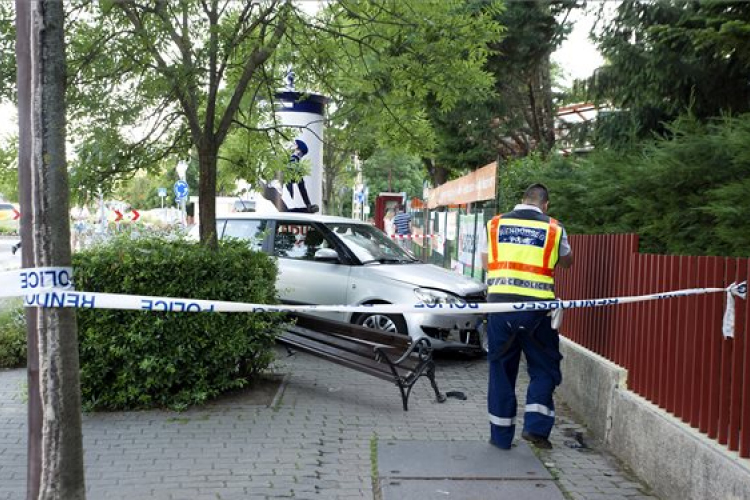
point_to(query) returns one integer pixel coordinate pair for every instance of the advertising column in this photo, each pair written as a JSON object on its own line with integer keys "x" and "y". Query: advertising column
{"x": 306, "y": 112}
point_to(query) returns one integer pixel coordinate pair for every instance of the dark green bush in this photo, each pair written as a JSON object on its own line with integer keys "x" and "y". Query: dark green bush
{"x": 12, "y": 335}
{"x": 145, "y": 359}
{"x": 685, "y": 194}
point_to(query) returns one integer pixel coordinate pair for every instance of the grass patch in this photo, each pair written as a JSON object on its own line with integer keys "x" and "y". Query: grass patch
{"x": 374, "y": 466}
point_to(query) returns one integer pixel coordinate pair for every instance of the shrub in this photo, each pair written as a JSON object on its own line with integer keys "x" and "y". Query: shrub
{"x": 12, "y": 335}
{"x": 145, "y": 359}
{"x": 8, "y": 228}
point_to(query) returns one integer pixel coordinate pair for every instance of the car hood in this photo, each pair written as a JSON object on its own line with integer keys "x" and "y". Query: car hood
{"x": 429, "y": 276}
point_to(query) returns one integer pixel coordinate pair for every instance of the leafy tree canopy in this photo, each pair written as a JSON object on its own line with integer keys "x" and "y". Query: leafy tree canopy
{"x": 512, "y": 119}
{"x": 389, "y": 62}
{"x": 389, "y": 171}
{"x": 666, "y": 57}
{"x": 9, "y": 170}
{"x": 683, "y": 194}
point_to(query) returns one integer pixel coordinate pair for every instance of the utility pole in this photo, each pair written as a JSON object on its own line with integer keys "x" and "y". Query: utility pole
{"x": 55, "y": 445}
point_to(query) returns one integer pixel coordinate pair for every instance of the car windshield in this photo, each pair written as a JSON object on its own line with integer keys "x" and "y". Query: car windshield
{"x": 370, "y": 245}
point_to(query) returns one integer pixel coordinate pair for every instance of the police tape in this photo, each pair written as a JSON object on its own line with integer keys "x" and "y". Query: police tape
{"x": 54, "y": 287}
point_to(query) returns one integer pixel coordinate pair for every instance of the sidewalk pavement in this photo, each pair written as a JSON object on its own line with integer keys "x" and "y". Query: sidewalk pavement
{"x": 315, "y": 441}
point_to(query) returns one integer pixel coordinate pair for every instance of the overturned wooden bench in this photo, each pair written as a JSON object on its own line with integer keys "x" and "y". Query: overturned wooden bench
{"x": 388, "y": 356}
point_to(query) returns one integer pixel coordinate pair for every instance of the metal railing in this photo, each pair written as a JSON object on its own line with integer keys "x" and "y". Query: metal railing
{"x": 453, "y": 235}
{"x": 673, "y": 349}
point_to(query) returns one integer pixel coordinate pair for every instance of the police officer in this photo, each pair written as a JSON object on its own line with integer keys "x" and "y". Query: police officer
{"x": 520, "y": 252}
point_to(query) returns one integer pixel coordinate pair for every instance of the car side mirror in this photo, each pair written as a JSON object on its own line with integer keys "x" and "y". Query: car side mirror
{"x": 327, "y": 255}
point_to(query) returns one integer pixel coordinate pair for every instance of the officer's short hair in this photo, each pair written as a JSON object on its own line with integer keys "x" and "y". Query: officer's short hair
{"x": 536, "y": 193}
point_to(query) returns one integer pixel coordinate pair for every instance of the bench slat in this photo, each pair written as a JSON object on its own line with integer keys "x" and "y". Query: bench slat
{"x": 354, "y": 331}
{"x": 354, "y": 346}
{"x": 340, "y": 356}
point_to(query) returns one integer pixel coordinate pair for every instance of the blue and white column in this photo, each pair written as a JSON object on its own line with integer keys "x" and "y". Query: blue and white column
{"x": 306, "y": 112}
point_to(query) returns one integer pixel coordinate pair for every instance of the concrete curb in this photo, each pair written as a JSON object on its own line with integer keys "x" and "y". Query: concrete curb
{"x": 589, "y": 384}
{"x": 675, "y": 460}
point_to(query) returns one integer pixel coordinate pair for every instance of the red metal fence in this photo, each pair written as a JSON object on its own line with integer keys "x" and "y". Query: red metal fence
{"x": 673, "y": 349}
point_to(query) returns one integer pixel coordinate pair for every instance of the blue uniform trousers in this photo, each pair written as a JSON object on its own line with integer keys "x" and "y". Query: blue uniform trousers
{"x": 508, "y": 335}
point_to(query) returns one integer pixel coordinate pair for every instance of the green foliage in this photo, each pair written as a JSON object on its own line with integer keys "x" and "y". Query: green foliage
{"x": 388, "y": 63}
{"x": 142, "y": 191}
{"x": 684, "y": 195}
{"x": 12, "y": 335}
{"x": 667, "y": 57}
{"x": 9, "y": 169}
{"x": 7, "y": 51}
{"x": 145, "y": 359}
{"x": 513, "y": 118}
{"x": 9, "y": 227}
{"x": 393, "y": 172}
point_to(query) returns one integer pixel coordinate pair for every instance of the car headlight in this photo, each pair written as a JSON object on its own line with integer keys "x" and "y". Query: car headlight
{"x": 434, "y": 297}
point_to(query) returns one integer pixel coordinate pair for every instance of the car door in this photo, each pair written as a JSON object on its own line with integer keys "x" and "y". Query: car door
{"x": 303, "y": 278}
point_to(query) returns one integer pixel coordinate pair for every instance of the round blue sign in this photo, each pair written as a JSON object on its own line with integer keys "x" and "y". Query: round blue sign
{"x": 181, "y": 189}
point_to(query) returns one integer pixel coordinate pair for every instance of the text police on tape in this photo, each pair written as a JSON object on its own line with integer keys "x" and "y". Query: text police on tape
{"x": 33, "y": 279}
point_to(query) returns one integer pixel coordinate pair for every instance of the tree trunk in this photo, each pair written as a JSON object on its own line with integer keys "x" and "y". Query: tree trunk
{"x": 207, "y": 151}
{"x": 547, "y": 104}
{"x": 55, "y": 440}
{"x": 438, "y": 175}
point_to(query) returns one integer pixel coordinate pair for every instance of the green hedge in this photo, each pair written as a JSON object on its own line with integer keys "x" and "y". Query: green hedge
{"x": 685, "y": 194}
{"x": 12, "y": 335}
{"x": 143, "y": 359}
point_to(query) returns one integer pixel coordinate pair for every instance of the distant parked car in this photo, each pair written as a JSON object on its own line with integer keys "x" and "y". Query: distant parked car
{"x": 333, "y": 260}
{"x": 8, "y": 223}
{"x": 7, "y": 211}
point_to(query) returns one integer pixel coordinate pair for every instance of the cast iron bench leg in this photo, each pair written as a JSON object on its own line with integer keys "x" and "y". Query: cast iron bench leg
{"x": 431, "y": 375}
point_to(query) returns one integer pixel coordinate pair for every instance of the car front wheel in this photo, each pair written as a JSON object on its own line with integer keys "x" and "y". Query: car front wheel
{"x": 384, "y": 322}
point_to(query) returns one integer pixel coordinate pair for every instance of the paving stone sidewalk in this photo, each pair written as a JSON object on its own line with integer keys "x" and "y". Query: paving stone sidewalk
{"x": 315, "y": 442}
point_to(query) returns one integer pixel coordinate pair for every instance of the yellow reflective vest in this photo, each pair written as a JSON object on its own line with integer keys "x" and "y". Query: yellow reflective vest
{"x": 521, "y": 255}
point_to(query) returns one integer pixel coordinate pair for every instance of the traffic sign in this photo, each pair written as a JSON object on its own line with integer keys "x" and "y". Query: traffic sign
{"x": 162, "y": 192}
{"x": 181, "y": 189}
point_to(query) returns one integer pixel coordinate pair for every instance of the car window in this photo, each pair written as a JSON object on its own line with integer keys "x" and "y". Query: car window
{"x": 244, "y": 206}
{"x": 251, "y": 230}
{"x": 298, "y": 240}
{"x": 370, "y": 244}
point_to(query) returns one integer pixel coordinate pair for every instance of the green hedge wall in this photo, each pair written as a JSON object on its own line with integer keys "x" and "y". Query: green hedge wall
{"x": 12, "y": 334}
{"x": 145, "y": 359}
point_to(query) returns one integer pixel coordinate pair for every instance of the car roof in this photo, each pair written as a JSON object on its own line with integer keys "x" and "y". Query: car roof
{"x": 288, "y": 216}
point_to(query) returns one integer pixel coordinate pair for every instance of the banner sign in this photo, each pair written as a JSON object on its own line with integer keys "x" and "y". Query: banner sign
{"x": 476, "y": 186}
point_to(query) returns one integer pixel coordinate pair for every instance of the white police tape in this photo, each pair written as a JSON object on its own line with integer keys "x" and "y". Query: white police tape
{"x": 23, "y": 281}
{"x": 53, "y": 287}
